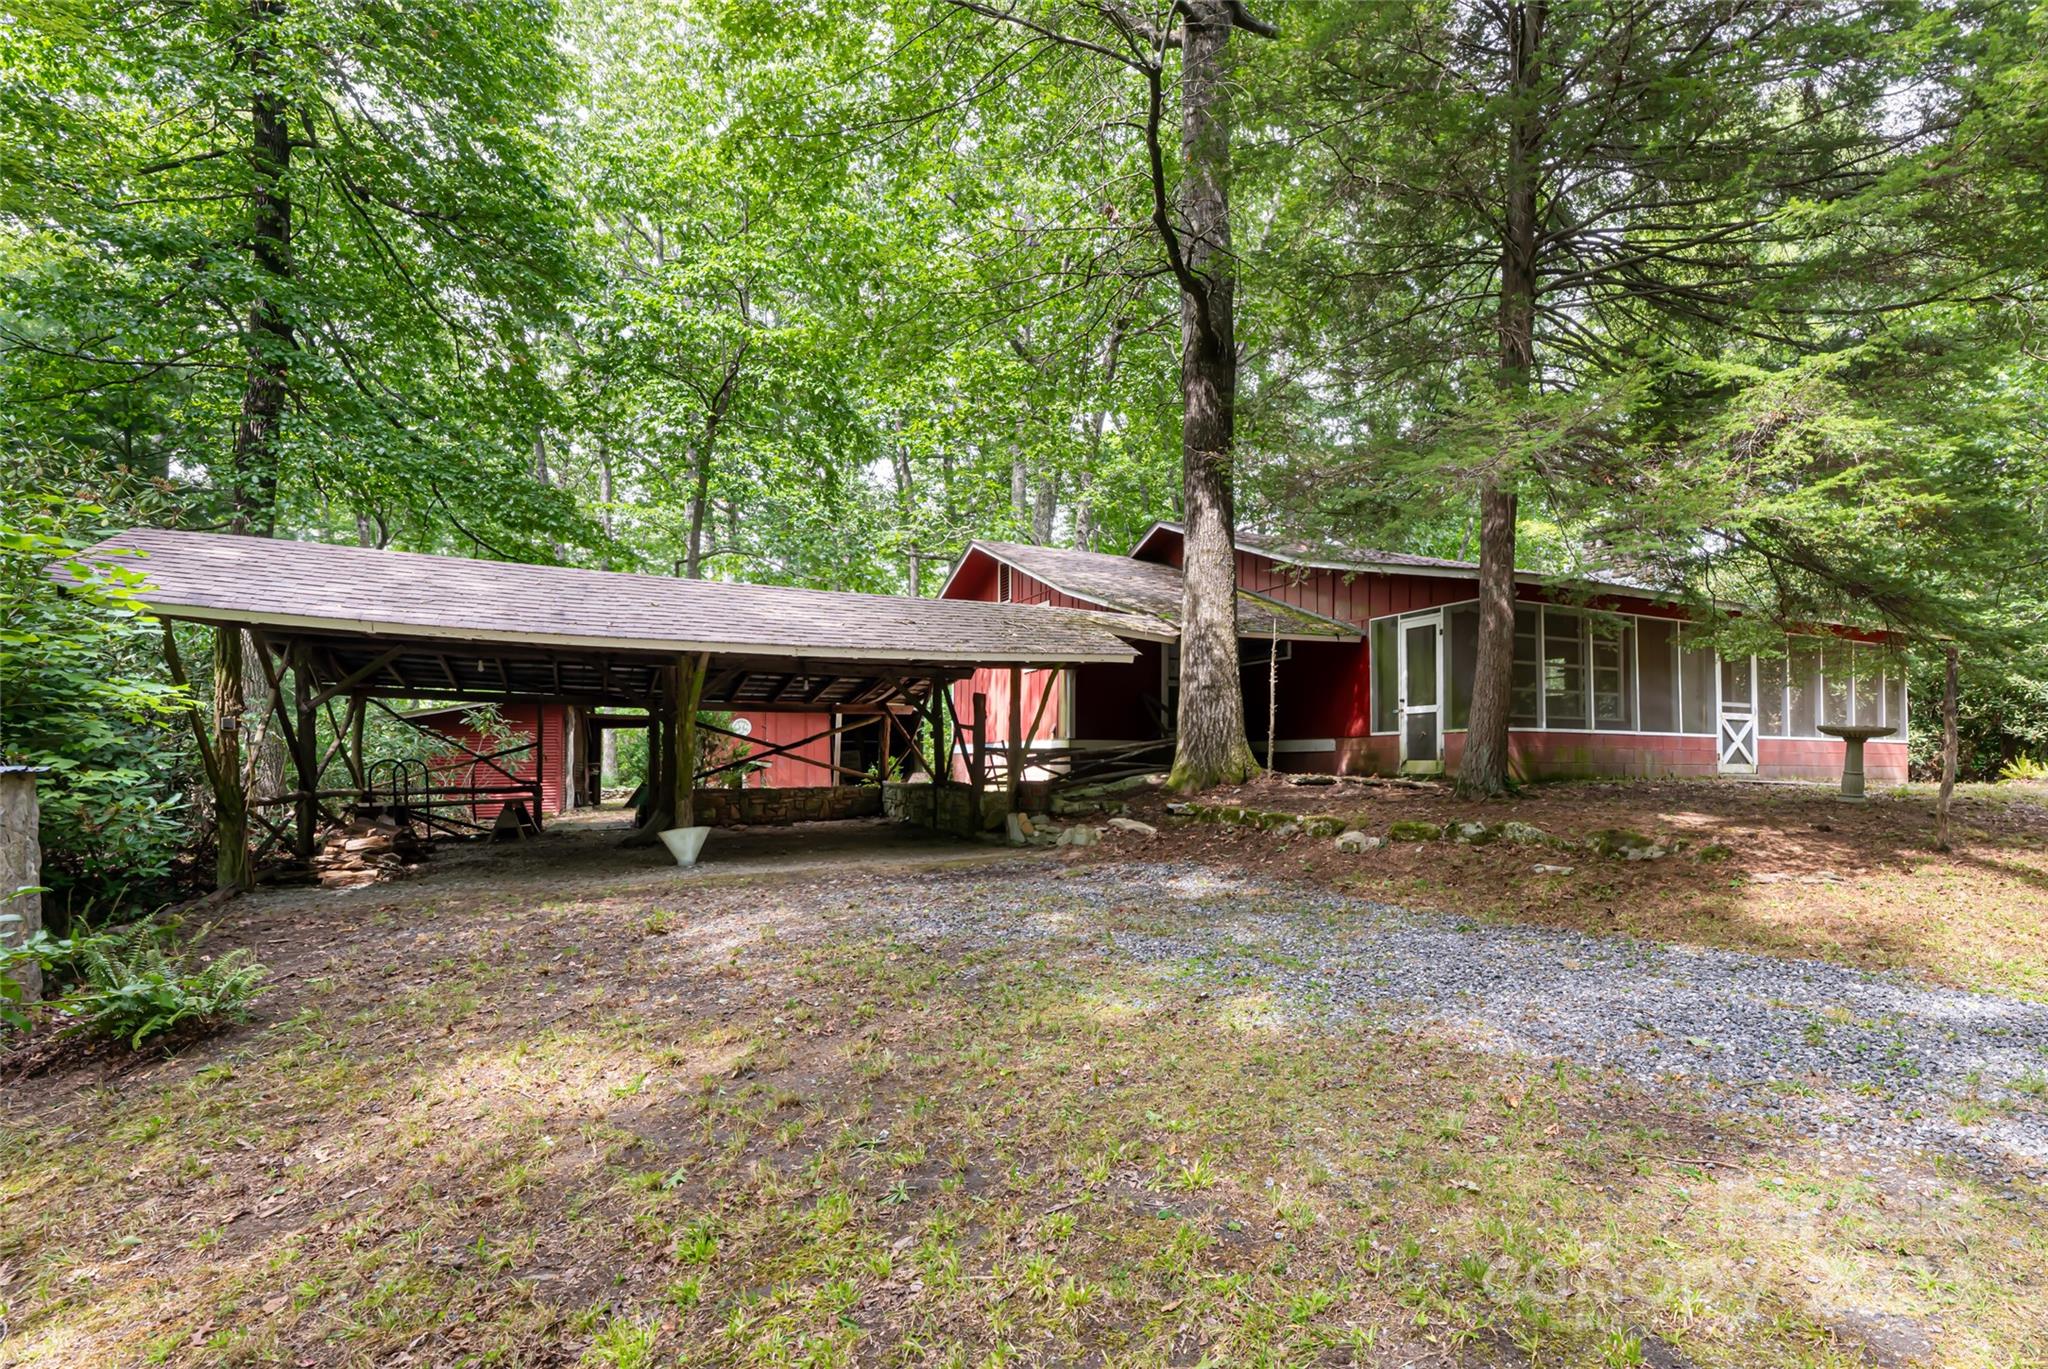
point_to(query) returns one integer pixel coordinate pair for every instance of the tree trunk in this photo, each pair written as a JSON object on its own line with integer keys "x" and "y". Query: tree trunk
{"x": 604, "y": 498}
{"x": 1951, "y": 749}
{"x": 1098, "y": 419}
{"x": 906, "y": 508}
{"x": 700, "y": 466}
{"x": 231, "y": 864}
{"x": 700, "y": 489}
{"x": 1020, "y": 483}
{"x": 1483, "y": 770}
{"x": 253, "y": 500}
{"x": 1211, "y": 747}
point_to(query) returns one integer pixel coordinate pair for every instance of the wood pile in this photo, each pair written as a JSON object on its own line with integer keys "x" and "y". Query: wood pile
{"x": 366, "y": 851}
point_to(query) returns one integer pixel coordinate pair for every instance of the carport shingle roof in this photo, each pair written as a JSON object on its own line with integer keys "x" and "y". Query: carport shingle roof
{"x": 217, "y": 577}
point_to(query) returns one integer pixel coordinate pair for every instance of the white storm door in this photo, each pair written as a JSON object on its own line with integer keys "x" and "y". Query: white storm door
{"x": 1421, "y": 699}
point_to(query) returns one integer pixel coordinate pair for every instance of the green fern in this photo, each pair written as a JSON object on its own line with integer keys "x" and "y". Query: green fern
{"x": 136, "y": 982}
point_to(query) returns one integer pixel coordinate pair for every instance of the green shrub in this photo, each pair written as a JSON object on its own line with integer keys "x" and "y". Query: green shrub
{"x": 82, "y": 696}
{"x": 2025, "y": 768}
{"x": 132, "y": 983}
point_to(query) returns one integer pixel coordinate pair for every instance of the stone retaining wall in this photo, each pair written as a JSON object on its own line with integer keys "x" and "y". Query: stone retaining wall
{"x": 912, "y": 804}
{"x": 775, "y": 807}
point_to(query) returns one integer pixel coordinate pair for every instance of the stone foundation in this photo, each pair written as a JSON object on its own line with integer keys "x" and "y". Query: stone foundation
{"x": 778, "y": 807}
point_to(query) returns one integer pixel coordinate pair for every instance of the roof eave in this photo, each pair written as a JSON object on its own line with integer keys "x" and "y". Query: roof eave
{"x": 370, "y": 627}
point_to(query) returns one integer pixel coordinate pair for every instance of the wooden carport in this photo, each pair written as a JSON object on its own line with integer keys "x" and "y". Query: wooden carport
{"x": 339, "y": 629}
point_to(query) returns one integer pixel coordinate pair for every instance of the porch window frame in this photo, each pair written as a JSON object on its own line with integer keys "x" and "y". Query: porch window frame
{"x": 1855, "y": 645}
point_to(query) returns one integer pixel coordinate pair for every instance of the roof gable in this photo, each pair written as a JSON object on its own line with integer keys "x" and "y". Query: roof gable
{"x": 1125, "y": 585}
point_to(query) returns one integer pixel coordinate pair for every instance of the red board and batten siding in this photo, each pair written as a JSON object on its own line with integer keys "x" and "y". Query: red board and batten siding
{"x": 979, "y": 580}
{"x": 459, "y": 769}
{"x": 807, "y": 766}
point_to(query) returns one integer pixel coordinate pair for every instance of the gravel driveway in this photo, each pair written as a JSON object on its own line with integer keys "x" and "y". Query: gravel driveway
{"x": 1868, "y": 1059}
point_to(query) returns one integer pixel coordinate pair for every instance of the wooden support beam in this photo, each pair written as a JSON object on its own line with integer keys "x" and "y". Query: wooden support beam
{"x": 910, "y": 738}
{"x": 977, "y": 764}
{"x": 356, "y": 711}
{"x": 358, "y": 677}
{"x": 942, "y": 756}
{"x": 1015, "y": 762}
{"x": 304, "y": 760}
{"x": 690, "y": 673}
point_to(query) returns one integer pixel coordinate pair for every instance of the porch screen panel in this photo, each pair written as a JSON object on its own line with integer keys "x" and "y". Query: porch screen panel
{"x": 1836, "y": 665}
{"x": 1770, "y": 696}
{"x": 1386, "y": 666}
{"x": 1657, "y": 651}
{"x": 1614, "y": 672}
{"x": 1868, "y": 687}
{"x": 1564, "y": 668}
{"x": 1803, "y": 661}
{"x": 1697, "y": 667}
{"x": 1461, "y": 634}
{"x": 1526, "y": 687}
{"x": 1895, "y": 696}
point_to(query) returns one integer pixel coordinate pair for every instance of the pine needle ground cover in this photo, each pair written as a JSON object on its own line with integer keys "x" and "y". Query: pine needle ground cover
{"x": 797, "y": 1121}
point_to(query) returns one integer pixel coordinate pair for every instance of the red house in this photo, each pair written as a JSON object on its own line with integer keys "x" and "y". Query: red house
{"x": 1376, "y": 652}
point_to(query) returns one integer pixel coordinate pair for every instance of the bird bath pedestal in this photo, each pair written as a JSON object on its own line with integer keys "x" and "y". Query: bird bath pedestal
{"x": 1852, "y": 757}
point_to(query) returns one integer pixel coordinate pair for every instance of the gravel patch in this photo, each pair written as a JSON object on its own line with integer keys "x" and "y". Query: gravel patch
{"x": 1872, "y": 1060}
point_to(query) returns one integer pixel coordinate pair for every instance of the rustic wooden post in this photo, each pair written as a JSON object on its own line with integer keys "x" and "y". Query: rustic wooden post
{"x": 220, "y": 751}
{"x": 305, "y": 753}
{"x": 1951, "y": 746}
{"x": 1016, "y": 753}
{"x": 942, "y": 756}
{"x": 21, "y": 868}
{"x": 977, "y": 761}
{"x": 356, "y": 710}
{"x": 689, "y": 693}
{"x": 232, "y": 866}
{"x": 661, "y": 774}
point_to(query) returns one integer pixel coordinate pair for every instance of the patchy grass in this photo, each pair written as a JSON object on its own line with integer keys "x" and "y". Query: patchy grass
{"x": 486, "y": 1126}
{"x": 1802, "y": 874}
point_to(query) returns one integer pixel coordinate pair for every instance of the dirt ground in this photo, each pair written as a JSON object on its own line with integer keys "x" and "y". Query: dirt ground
{"x": 536, "y": 1107}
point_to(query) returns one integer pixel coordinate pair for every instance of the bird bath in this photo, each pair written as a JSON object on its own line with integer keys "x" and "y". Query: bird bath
{"x": 1852, "y": 757}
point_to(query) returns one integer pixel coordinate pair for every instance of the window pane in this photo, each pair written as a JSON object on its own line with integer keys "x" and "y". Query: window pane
{"x": 1528, "y": 671}
{"x": 1461, "y": 628}
{"x": 1564, "y": 668}
{"x": 1385, "y": 693}
{"x": 1835, "y": 669}
{"x": 1770, "y": 696}
{"x": 1895, "y": 695}
{"x": 1696, "y": 670}
{"x": 1614, "y": 672}
{"x": 1805, "y": 668}
{"x": 1657, "y": 653}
